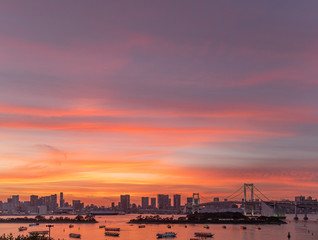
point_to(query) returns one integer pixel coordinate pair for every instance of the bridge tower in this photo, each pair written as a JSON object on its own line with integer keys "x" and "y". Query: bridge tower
{"x": 249, "y": 186}
{"x": 195, "y": 202}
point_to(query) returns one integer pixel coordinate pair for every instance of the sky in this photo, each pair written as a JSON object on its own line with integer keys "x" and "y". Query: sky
{"x": 102, "y": 98}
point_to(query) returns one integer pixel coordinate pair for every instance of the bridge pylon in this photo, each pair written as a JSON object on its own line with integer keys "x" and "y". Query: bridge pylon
{"x": 195, "y": 202}
{"x": 249, "y": 202}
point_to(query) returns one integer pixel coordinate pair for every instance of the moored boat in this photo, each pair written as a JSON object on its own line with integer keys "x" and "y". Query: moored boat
{"x": 75, "y": 235}
{"x": 113, "y": 234}
{"x": 242, "y": 227}
{"x": 22, "y": 228}
{"x": 112, "y": 229}
{"x": 102, "y": 226}
{"x": 71, "y": 226}
{"x": 203, "y": 234}
{"x": 142, "y": 226}
{"x": 39, "y": 232}
{"x": 206, "y": 226}
{"x": 166, "y": 235}
{"x": 258, "y": 228}
{"x": 169, "y": 226}
{"x": 33, "y": 224}
{"x": 224, "y": 227}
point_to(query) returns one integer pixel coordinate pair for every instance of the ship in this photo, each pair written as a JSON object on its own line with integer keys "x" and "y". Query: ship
{"x": 166, "y": 235}
{"x": 105, "y": 213}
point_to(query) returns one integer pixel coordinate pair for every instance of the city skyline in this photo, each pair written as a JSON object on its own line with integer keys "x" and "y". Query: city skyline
{"x": 105, "y": 98}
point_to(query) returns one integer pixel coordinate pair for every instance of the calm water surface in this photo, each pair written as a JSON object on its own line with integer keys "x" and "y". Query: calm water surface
{"x": 300, "y": 230}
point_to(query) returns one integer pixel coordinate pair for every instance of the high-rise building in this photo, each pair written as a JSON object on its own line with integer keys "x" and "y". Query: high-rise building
{"x": 53, "y": 202}
{"x": 153, "y": 204}
{"x": 77, "y": 205}
{"x": 61, "y": 200}
{"x": 125, "y": 202}
{"x": 15, "y": 200}
{"x": 177, "y": 201}
{"x": 216, "y": 199}
{"x": 163, "y": 201}
{"x": 144, "y": 202}
{"x": 34, "y": 200}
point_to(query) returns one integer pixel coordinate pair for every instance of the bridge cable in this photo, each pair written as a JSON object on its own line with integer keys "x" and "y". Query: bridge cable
{"x": 230, "y": 196}
{"x": 261, "y": 193}
{"x": 236, "y": 195}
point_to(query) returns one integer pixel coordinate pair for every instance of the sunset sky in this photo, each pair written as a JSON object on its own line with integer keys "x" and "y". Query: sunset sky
{"x": 102, "y": 98}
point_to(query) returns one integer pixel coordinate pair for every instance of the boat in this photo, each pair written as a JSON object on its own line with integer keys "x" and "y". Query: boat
{"x": 224, "y": 227}
{"x": 142, "y": 226}
{"x": 113, "y": 234}
{"x": 242, "y": 227}
{"x": 206, "y": 226}
{"x": 112, "y": 229}
{"x": 75, "y": 235}
{"x": 33, "y": 224}
{"x": 94, "y": 213}
{"x": 102, "y": 226}
{"x": 203, "y": 234}
{"x": 169, "y": 226}
{"x": 39, "y": 232}
{"x": 22, "y": 228}
{"x": 258, "y": 228}
{"x": 71, "y": 226}
{"x": 185, "y": 226}
{"x": 166, "y": 235}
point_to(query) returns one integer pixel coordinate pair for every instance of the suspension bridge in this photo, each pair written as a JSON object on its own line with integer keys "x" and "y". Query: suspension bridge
{"x": 249, "y": 200}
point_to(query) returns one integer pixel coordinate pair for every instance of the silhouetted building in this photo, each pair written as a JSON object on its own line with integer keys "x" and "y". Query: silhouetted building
{"x": 153, "y": 204}
{"x": 145, "y": 202}
{"x": 53, "y": 203}
{"x": 177, "y": 201}
{"x": 15, "y": 201}
{"x": 77, "y": 205}
{"x": 163, "y": 201}
{"x": 125, "y": 202}
{"x": 216, "y": 199}
{"x": 34, "y": 200}
{"x": 300, "y": 199}
{"x": 61, "y": 199}
{"x": 189, "y": 200}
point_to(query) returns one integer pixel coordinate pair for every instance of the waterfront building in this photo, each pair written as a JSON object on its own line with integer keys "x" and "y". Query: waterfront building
{"x": 53, "y": 203}
{"x": 61, "y": 200}
{"x": 300, "y": 199}
{"x": 163, "y": 201}
{"x": 77, "y": 205}
{"x": 34, "y": 200}
{"x": 177, "y": 201}
{"x": 125, "y": 202}
{"x": 145, "y": 202}
{"x": 153, "y": 203}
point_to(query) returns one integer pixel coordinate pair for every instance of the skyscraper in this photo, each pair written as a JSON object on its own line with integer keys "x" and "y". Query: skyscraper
{"x": 153, "y": 203}
{"x": 144, "y": 202}
{"x": 15, "y": 200}
{"x": 125, "y": 202}
{"x": 53, "y": 202}
{"x": 34, "y": 200}
{"x": 61, "y": 199}
{"x": 163, "y": 201}
{"x": 177, "y": 201}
